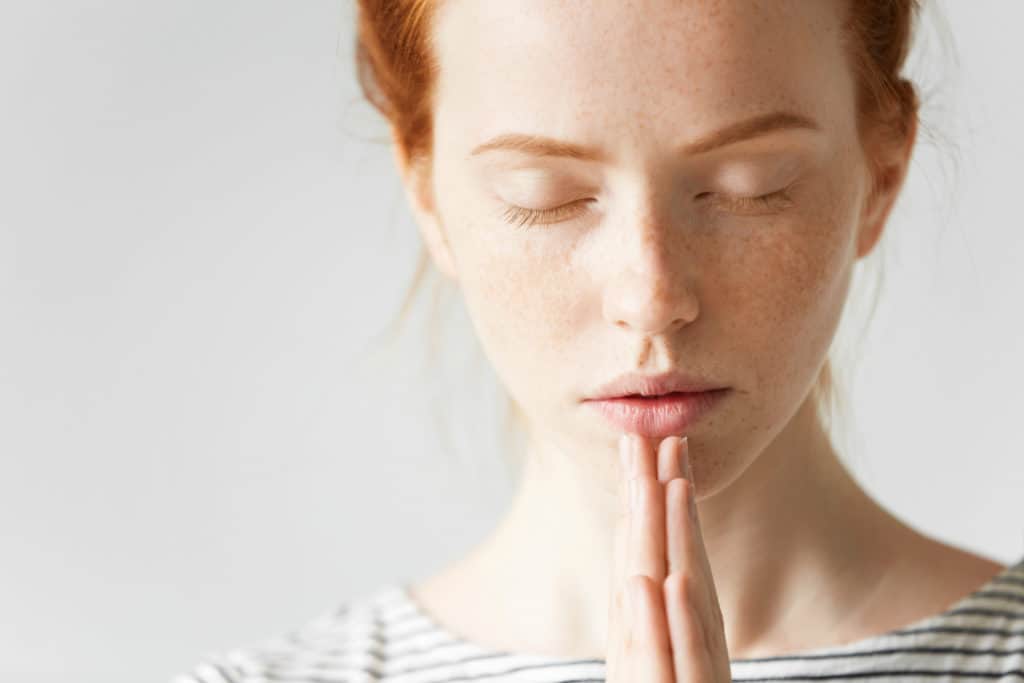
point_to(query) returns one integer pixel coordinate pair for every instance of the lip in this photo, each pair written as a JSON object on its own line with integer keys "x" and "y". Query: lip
{"x": 652, "y": 385}
{"x": 658, "y": 416}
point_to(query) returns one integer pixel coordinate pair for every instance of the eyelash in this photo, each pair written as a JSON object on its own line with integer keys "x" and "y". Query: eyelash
{"x": 526, "y": 218}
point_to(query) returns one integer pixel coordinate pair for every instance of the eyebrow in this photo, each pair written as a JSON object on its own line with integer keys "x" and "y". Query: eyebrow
{"x": 539, "y": 145}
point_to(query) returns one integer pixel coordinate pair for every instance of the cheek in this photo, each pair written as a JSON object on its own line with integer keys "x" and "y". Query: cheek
{"x": 780, "y": 292}
{"x": 519, "y": 280}
{"x": 524, "y": 302}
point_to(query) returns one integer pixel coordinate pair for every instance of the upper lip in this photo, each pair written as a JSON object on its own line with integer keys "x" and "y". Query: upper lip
{"x": 653, "y": 385}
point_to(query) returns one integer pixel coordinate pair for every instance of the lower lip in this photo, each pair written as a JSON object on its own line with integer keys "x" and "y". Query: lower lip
{"x": 658, "y": 416}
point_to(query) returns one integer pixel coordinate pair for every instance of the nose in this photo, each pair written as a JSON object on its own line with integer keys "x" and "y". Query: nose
{"x": 650, "y": 290}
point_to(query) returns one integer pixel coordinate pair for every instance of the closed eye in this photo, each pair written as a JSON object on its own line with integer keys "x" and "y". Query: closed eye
{"x": 772, "y": 201}
{"x": 524, "y": 218}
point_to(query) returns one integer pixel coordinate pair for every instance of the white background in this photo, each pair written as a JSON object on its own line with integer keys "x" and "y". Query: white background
{"x": 200, "y": 231}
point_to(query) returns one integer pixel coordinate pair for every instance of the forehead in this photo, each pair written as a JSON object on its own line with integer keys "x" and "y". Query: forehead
{"x": 643, "y": 68}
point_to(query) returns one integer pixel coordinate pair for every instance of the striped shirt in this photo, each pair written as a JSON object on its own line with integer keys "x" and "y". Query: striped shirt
{"x": 383, "y": 635}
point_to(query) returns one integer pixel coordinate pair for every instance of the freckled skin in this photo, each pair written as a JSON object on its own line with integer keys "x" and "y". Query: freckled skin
{"x": 761, "y": 295}
{"x": 646, "y": 277}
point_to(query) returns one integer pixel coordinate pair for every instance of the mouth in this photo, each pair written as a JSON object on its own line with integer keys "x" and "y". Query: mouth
{"x": 658, "y": 415}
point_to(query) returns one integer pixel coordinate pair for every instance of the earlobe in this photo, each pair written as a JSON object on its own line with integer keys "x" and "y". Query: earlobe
{"x": 419, "y": 193}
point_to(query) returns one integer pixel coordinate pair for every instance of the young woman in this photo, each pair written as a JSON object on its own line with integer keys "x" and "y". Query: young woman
{"x": 653, "y": 210}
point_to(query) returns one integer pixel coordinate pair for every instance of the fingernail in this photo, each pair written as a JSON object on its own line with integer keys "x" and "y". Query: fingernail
{"x": 634, "y": 493}
{"x": 624, "y": 452}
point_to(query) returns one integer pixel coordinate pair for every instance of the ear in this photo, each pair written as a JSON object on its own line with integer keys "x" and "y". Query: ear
{"x": 418, "y": 184}
{"x": 891, "y": 174}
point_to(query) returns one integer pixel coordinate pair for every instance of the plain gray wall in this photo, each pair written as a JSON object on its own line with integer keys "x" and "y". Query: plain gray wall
{"x": 200, "y": 231}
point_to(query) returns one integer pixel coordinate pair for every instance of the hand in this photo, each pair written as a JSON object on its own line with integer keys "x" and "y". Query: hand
{"x": 665, "y": 623}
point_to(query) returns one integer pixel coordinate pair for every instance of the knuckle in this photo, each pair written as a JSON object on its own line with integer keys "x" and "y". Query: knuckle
{"x": 636, "y": 583}
{"x": 680, "y": 584}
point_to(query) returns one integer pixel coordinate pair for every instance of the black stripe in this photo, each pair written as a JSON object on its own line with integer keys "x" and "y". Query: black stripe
{"x": 779, "y": 658}
{"x": 548, "y": 666}
{"x": 224, "y": 673}
{"x": 515, "y": 670}
{"x": 959, "y": 629}
{"x": 373, "y": 651}
{"x": 1001, "y": 595}
{"x": 398, "y": 653}
{"x": 314, "y": 679}
{"x": 782, "y": 658}
{"x": 1014, "y": 580}
{"x": 886, "y": 651}
{"x": 230, "y": 676}
{"x": 376, "y": 673}
{"x": 982, "y": 612}
{"x": 530, "y": 667}
{"x": 278, "y": 670}
{"x": 285, "y": 674}
{"x": 357, "y": 643}
{"x": 965, "y": 611}
{"x": 895, "y": 673}
{"x": 376, "y": 653}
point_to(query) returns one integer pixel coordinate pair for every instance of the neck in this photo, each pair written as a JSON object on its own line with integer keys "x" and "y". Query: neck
{"x": 790, "y": 531}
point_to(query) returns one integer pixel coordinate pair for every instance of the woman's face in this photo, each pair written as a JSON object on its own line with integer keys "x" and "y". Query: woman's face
{"x": 654, "y": 255}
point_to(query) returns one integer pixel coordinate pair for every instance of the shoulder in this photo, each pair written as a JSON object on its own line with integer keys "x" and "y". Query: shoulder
{"x": 341, "y": 642}
{"x": 980, "y": 635}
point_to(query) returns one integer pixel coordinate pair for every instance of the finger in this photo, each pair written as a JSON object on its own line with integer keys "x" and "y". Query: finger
{"x": 619, "y": 606}
{"x": 692, "y": 512}
{"x": 715, "y": 625}
{"x": 626, "y": 467}
{"x": 695, "y": 519}
{"x": 642, "y": 456}
{"x": 669, "y": 451}
{"x": 682, "y": 550}
{"x": 692, "y": 660}
{"x": 650, "y": 655}
{"x": 686, "y": 552}
{"x": 681, "y": 542}
{"x": 688, "y": 556}
{"x": 646, "y": 554}
{"x": 620, "y": 548}
{"x": 684, "y": 459}
{"x": 624, "y": 446}
{"x": 622, "y": 524}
